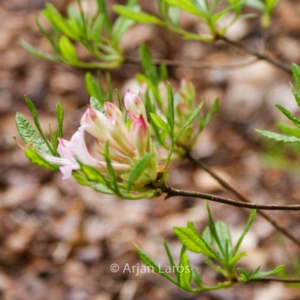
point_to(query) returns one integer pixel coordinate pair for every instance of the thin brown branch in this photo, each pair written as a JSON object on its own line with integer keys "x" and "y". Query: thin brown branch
{"x": 171, "y": 192}
{"x": 230, "y": 188}
{"x": 267, "y": 280}
{"x": 258, "y": 55}
{"x": 192, "y": 64}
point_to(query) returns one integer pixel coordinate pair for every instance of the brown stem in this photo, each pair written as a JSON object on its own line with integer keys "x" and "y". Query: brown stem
{"x": 171, "y": 192}
{"x": 266, "y": 280}
{"x": 191, "y": 64}
{"x": 257, "y": 54}
{"x": 228, "y": 187}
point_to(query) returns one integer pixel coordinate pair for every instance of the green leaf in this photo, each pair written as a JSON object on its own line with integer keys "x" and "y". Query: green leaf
{"x": 289, "y": 115}
{"x": 235, "y": 258}
{"x": 122, "y": 24}
{"x": 205, "y": 121}
{"x": 67, "y": 49}
{"x": 150, "y": 263}
{"x": 103, "y": 11}
{"x": 174, "y": 268}
{"x": 148, "y": 65}
{"x": 29, "y": 135}
{"x": 186, "y": 5}
{"x": 246, "y": 229}
{"x": 296, "y": 95}
{"x": 255, "y": 4}
{"x": 244, "y": 274}
{"x": 196, "y": 278}
{"x": 296, "y": 75}
{"x": 92, "y": 174}
{"x": 184, "y": 272}
{"x": 138, "y": 169}
{"x": 34, "y": 51}
{"x": 259, "y": 275}
{"x": 193, "y": 241}
{"x": 215, "y": 235}
{"x": 55, "y": 18}
{"x": 95, "y": 103}
{"x": 37, "y": 123}
{"x": 99, "y": 187}
{"x": 278, "y": 137}
{"x": 93, "y": 88}
{"x": 160, "y": 123}
{"x": 110, "y": 170}
{"x": 60, "y": 120}
{"x": 224, "y": 238}
{"x": 141, "y": 17}
{"x": 174, "y": 14}
{"x": 189, "y": 121}
{"x": 36, "y": 159}
{"x": 170, "y": 116}
{"x": 285, "y": 128}
{"x": 206, "y": 235}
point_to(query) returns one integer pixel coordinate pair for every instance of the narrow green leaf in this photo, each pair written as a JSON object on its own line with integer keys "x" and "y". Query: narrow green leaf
{"x": 29, "y": 135}
{"x": 246, "y": 229}
{"x": 235, "y": 258}
{"x": 36, "y": 159}
{"x": 93, "y": 88}
{"x": 138, "y": 169}
{"x": 214, "y": 233}
{"x": 103, "y": 11}
{"x": 278, "y": 137}
{"x": 148, "y": 65}
{"x": 206, "y": 235}
{"x": 206, "y": 120}
{"x": 160, "y": 123}
{"x": 296, "y": 75}
{"x": 296, "y": 95}
{"x": 141, "y": 17}
{"x": 289, "y": 115}
{"x": 110, "y": 170}
{"x": 185, "y": 273}
{"x": 96, "y": 104}
{"x": 193, "y": 242}
{"x": 99, "y": 187}
{"x": 122, "y": 24}
{"x": 92, "y": 174}
{"x": 287, "y": 129}
{"x": 60, "y": 120}
{"x": 244, "y": 274}
{"x": 196, "y": 278}
{"x": 153, "y": 266}
{"x": 170, "y": 116}
{"x": 259, "y": 275}
{"x": 189, "y": 121}
{"x": 172, "y": 264}
{"x": 34, "y": 51}
{"x": 37, "y": 123}
{"x": 224, "y": 238}
{"x": 67, "y": 49}
{"x": 55, "y": 18}
{"x": 186, "y": 5}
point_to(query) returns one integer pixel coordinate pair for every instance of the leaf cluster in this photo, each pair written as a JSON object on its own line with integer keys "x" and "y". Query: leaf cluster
{"x": 91, "y": 29}
{"x": 216, "y": 246}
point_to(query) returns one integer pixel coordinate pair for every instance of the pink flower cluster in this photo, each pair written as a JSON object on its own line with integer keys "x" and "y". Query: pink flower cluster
{"x": 127, "y": 142}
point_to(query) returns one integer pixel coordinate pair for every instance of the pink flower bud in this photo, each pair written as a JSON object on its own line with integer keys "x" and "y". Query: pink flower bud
{"x": 112, "y": 111}
{"x": 134, "y": 105}
{"x": 140, "y": 134}
{"x": 96, "y": 123}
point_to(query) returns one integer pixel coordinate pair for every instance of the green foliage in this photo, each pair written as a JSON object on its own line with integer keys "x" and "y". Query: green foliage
{"x": 94, "y": 32}
{"x": 216, "y": 246}
{"x": 209, "y": 12}
{"x": 291, "y": 134}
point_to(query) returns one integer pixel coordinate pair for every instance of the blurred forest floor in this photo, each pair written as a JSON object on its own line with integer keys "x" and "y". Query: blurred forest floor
{"x": 58, "y": 239}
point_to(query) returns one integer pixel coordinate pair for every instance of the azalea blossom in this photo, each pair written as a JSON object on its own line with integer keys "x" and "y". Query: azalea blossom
{"x": 127, "y": 142}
